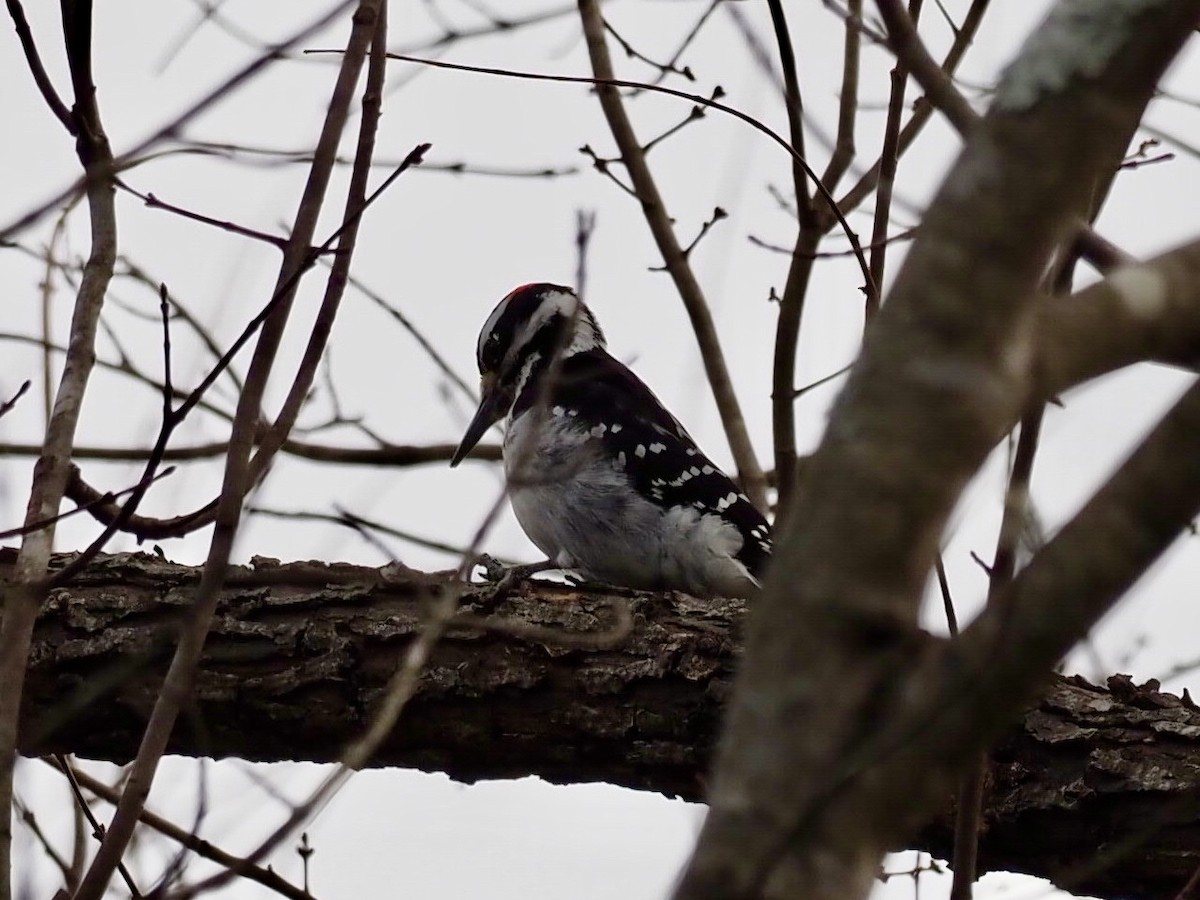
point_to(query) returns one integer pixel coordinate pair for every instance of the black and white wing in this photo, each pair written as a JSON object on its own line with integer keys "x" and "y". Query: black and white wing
{"x": 663, "y": 463}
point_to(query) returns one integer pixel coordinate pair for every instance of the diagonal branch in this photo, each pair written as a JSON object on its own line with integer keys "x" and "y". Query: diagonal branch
{"x": 237, "y": 470}
{"x": 50, "y": 472}
{"x": 749, "y": 470}
{"x": 944, "y": 371}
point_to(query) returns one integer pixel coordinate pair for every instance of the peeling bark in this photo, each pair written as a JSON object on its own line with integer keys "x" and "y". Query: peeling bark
{"x": 1097, "y": 790}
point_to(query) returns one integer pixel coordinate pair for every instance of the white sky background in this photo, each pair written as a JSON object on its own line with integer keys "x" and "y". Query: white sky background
{"x": 444, "y": 249}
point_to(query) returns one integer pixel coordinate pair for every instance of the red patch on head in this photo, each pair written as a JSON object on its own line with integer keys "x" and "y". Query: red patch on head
{"x": 523, "y": 287}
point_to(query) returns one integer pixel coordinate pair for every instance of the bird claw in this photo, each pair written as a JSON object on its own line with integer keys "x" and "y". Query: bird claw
{"x": 505, "y": 578}
{"x": 493, "y": 569}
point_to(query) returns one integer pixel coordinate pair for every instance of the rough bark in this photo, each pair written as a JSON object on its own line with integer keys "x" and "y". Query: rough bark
{"x": 847, "y": 726}
{"x": 1097, "y": 789}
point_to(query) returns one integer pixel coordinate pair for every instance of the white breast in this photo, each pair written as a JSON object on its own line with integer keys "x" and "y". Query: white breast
{"x": 580, "y": 509}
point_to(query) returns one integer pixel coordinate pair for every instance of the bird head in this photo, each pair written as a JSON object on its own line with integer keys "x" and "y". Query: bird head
{"x": 518, "y": 341}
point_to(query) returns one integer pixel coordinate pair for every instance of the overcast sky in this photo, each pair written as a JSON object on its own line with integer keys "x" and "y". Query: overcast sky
{"x": 443, "y": 248}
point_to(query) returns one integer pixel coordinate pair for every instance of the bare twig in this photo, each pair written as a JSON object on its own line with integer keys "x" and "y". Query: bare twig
{"x": 274, "y": 156}
{"x": 175, "y": 124}
{"x": 585, "y": 226}
{"x": 269, "y": 440}
{"x": 453, "y": 35}
{"x": 34, "y": 61}
{"x": 387, "y": 455}
{"x": 237, "y": 470}
{"x": 29, "y": 820}
{"x": 831, "y": 206}
{"x": 359, "y": 524}
{"x": 124, "y": 367}
{"x": 60, "y": 763}
{"x": 889, "y": 153}
{"x": 187, "y": 839}
{"x": 27, "y": 590}
{"x": 690, "y": 292}
{"x": 92, "y": 503}
{"x": 664, "y": 69}
{"x": 924, "y": 109}
{"x": 404, "y": 322}
{"x": 934, "y": 79}
{"x": 7, "y": 405}
{"x": 843, "y": 148}
{"x": 795, "y": 289}
{"x": 232, "y": 227}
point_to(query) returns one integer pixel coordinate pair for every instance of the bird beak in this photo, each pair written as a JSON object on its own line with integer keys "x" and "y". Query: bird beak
{"x": 492, "y": 406}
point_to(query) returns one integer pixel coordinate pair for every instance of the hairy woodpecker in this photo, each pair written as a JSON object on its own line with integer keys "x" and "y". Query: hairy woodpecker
{"x": 601, "y": 477}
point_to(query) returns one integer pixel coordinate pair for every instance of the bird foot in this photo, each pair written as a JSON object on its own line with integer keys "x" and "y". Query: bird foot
{"x": 505, "y": 578}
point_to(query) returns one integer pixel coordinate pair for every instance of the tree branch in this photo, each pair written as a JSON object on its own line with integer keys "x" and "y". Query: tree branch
{"x": 300, "y": 654}
{"x": 805, "y": 796}
{"x": 53, "y": 464}
{"x": 749, "y": 469}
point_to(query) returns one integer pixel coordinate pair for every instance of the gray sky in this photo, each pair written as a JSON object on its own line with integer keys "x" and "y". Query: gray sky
{"x": 444, "y": 248}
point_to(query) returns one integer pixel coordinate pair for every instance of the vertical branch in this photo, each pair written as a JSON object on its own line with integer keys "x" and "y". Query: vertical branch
{"x": 794, "y": 102}
{"x": 180, "y": 676}
{"x": 674, "y": 258}
{"x": 843, "y": 148}
{"x": 923, "y": 107}
{"x": 795, "y": 289}
{"x": 51, "y": 469}
{"x": 889, "y": 158}
{"x": 1017, "y": 510}
{"x": 56, "y": 235}
{"x": 339, "y": 273}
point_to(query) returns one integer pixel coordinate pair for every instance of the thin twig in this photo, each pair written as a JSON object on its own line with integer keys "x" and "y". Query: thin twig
{"x": 654, "y": 209}
{"x": 923, "y": 109}
{"x": 189, "y": 840}
{"x": 795, "y": 288}
{"x": 387, "y": 455}
{"x": 585, "y": 227}
{"x": 34, "y": 61}
{"x": 7, "y": 405}
{"x": 236, "y": 482}
{"x": 934, "y": 79}
{"x": 26, "y": 591}
{"x": 223, "y": 224}
{"x": 175, "y": 125}
{"x": 60, "y": 763}
{"x": 404, "y": 322}
{"x": 843, "y": 147}
{"x": 833, "y": 209}
{"x": 889, "y": 156}
{"x": 90, "y": 504}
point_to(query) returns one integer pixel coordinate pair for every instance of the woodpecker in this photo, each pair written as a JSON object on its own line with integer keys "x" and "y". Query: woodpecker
{"x": 601, "y": 477}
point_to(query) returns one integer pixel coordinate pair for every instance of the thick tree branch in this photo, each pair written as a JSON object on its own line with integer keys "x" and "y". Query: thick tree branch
{"x": 300, "y": 655}
{"x": 804, "y": 797}
{"x": 1148, "y": 312}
